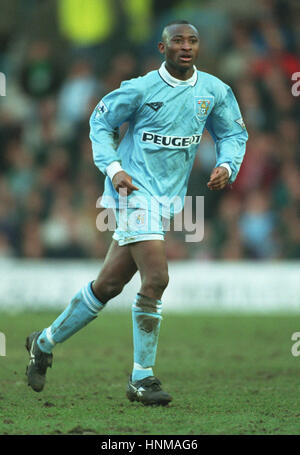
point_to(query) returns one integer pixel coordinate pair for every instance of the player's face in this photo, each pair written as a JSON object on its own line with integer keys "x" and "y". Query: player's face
{"x": 181, "y": 47}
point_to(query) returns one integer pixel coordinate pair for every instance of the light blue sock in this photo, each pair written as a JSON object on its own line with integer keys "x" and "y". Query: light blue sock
{"x": 146, "y": 319}
{"x": 84, "y": 307}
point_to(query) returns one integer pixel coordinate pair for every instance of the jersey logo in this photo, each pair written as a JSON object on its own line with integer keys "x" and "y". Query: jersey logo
{"x": 155, "y": 106}
{"x": 240, "y": 121}
{"x": 171, "y": 141}
{"x": 203, "y": 106}
{"x": 101, "y": 109}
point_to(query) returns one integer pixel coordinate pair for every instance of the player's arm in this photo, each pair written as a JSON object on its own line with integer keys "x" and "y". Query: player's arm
{"x": 225, "y": 124}
{"x": 114, "y": 109}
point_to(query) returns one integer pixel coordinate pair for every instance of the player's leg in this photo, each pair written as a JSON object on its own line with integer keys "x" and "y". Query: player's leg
{"x": 151, "y": 261}
{"x": 150, "y": 258}
{"x": 117, "y": 270}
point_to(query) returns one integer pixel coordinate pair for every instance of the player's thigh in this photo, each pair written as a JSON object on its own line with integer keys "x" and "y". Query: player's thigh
{"x": 118, "y": 266}
{"x": 150, "y": 258}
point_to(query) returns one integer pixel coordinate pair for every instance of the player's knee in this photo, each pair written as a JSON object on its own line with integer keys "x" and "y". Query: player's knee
{"x": 108, "y": 288}
{"x": 156, "y": 280}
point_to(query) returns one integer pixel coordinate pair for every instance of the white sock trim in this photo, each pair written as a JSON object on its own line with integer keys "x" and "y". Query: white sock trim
{"x": 49, "y": 336}
{"x": 93, "y": 298}
{"x": 89, "y": 301}
{"x": 137, "y": 366}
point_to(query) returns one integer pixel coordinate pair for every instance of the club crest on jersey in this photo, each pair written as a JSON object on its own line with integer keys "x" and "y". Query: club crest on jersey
{"x": 203, "y": 106}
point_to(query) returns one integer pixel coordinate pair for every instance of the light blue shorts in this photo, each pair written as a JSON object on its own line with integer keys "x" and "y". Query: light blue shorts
{"x": 136, "y": 225}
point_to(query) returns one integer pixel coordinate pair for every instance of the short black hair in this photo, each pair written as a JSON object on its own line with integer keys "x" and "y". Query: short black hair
{"x": 175, "y": 22}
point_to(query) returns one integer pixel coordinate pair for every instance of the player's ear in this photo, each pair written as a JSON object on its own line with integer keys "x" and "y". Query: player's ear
{"x": 161, "y": 47}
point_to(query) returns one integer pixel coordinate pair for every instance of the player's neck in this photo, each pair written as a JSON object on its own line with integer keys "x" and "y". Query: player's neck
{"x": 183, "y": 75}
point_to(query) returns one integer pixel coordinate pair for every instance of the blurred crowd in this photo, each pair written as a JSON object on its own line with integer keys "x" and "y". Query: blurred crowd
{"x": 60, "y": 57}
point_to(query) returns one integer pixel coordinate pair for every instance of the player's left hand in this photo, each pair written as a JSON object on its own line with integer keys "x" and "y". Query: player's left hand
{"x": 218, "y": 178}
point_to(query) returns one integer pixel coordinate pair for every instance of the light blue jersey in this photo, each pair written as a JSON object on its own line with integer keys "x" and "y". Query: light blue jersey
{"x": 166, "y": 119}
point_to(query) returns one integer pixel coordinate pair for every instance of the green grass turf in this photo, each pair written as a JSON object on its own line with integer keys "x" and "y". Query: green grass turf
{"x": 227, "y": 375}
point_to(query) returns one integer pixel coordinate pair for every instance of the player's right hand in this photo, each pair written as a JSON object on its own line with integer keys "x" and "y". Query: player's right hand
{"x": 122, "y": 183}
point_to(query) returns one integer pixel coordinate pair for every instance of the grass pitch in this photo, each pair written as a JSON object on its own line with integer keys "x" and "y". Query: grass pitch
{"x": 227, "y": 375}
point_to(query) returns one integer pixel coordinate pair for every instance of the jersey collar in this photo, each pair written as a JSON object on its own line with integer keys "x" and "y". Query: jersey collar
{"x": 170, "y": 80}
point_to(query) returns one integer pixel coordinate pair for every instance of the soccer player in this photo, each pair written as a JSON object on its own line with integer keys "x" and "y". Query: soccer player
{"x": 167, "y": 110}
